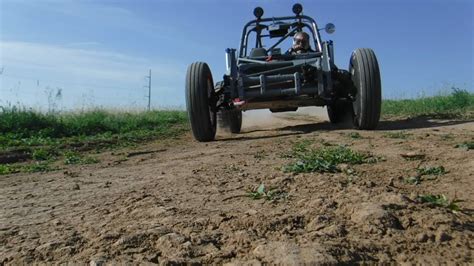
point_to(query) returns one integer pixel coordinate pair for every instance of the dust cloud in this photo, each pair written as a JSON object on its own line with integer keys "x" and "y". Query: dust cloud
{"x": 264, "y": 119}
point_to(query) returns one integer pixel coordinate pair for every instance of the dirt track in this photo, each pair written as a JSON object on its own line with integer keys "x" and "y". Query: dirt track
{"x": 183, "y": 201}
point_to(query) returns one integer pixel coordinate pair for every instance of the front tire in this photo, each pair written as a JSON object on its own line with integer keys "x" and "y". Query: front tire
{"x": 365, "y": 74}
{"x": 201, "y": 101}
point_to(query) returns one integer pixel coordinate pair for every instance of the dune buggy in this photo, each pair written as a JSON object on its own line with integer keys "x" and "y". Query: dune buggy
{"x": 262, "y": 77}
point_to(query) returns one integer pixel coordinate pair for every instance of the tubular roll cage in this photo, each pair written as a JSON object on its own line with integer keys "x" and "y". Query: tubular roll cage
{"x": 279, "y": 78}
{"x": 302, "y": 22}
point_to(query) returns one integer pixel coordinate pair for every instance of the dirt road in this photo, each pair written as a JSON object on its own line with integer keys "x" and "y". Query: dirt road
{"x": 183, "y": 201}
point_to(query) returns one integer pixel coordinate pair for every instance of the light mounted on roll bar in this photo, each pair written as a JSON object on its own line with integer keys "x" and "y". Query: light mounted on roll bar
{"x": 297, "y": 9}
{"x": 258, "y": 12}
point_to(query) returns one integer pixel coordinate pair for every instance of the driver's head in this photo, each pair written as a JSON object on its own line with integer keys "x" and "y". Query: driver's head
{"x": 301, "y": 42}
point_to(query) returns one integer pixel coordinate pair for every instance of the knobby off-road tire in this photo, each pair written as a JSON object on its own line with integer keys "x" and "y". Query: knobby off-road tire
{"x": 230, "y": 120}
{"x": 201, "y": 101}
{"x": 365, "y": 73}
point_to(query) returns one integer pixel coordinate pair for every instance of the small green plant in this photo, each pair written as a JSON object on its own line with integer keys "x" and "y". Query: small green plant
{"x": 325, "y": 159}
{"x": 441, "y": 201}
{"x": 436, "y": 170}
{"x": 262, "y": 193}
{"x": 432, "y": 172}
{"x": 89, "y": 160}
{"x": 37, "y": 167}
{"x": 414, "y": 180}
{"x": 41, "y": 154}
{"x": 467, "y": 145}
{"x": 397, "y": 135}
{"x": 354, "y": 135}
{"x": 71, "y": 157}
{"x": 301, "y": 146}
{"x": 6, "y": 169}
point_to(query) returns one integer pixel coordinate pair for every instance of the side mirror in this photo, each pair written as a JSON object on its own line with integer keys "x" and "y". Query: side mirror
{"x": 330, "y": 28}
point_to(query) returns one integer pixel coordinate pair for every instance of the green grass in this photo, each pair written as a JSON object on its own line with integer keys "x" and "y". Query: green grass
{"x": 271, "y": 194}
{"x": 432, "y": 172}
{"x": 441, "y": 201}
{"x": 435, "y": 170}
{"x": 458, "y": 104}
{"x": 50, "y": 136}
{"x": 396, "y": 135}
{"x": 325, "y": 159}
{"x": 468, "y": 145}
{"x": 26, "y": 123}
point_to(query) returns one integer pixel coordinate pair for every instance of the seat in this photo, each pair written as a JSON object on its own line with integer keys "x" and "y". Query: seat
{"x": 257, "y": 53}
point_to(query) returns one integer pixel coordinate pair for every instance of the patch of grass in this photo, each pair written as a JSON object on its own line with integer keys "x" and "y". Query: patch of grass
{"x": 441, "y": 201}
{"x": 48, "y": 135}
{"x": 354, "y": 135}
{"x": 467, "y": 145}
{"x": 435, "y": 170}
{"x": 37, "y": 167}
{"x": 41, "y": 154}
{"x": 397, "y": 135}
{"x": 28, "y": 123}
{"x": 6, "y": 169}
{"x": 271, "y": 194}
{"x": 425, "y": 171}
{"x": 72, "y": 157}
{"x": 458, "y": 104}
{"x": 325, "y": 159}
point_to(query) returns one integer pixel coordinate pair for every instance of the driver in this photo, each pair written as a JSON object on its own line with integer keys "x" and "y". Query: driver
{"x": 300, "y": 44}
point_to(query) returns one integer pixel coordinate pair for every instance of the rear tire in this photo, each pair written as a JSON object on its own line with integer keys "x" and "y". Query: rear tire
{"x": 230, "y": 120}
{"x": 201, "y": 101}
{"x": 365, "y": 74}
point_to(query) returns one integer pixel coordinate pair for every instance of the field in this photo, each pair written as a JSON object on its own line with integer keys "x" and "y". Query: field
{"x": 290, "y": 189}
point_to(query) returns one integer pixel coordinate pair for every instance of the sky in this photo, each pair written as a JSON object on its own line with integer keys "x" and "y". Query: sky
{"x": 98, "y": 53}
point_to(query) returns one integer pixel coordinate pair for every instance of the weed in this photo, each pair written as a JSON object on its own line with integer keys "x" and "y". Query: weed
{"x": 441, "y": 201}
{"x": 41, "y": 154}
{"x": 271, "y": 195}
{"x": 458, "y": 104}
{"x": 354, "y": 135}
{"x": 414, "y": 180}
{"x": 436, "y": 170}
{"x": 71, "y": 157}
{"x": 301, "y": 146}
{"x": 6, "y": 169}
{"x": 426, "y": 171}
{"x": 397, "y": 135}
{"x": 37, "y": 167}
{"x": 467, "y": 145}
{"x": 325, "y": 159}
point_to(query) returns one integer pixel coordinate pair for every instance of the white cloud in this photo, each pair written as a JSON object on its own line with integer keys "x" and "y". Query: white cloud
{"x": 66, "y": 62}
{"x": 113, "y": 78}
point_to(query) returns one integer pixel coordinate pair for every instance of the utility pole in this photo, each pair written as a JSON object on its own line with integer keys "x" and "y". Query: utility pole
{"x": 149, "y": 90}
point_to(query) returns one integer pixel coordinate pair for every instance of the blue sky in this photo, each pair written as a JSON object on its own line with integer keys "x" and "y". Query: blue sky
{"x": 99, "y": 52}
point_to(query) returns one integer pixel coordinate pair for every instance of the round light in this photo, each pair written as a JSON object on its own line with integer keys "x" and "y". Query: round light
{"x": 330, "y": 28}
{"x": 297, "y": 8}
{"x": 258, "y": 12}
